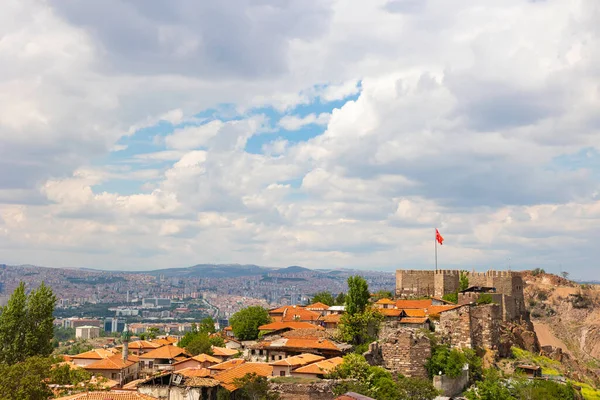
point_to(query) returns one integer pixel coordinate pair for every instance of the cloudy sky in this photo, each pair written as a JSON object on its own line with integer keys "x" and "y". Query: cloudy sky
{"x": 141, "y": 134}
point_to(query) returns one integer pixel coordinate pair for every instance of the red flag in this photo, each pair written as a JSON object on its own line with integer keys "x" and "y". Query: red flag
{"x": 439, "y": 237}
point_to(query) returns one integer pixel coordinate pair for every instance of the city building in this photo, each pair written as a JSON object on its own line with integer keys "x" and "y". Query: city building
{"x": 87, "y": 332}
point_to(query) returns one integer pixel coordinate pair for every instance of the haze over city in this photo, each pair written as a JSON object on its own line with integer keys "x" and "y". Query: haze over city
{"x": 325, "y": 134}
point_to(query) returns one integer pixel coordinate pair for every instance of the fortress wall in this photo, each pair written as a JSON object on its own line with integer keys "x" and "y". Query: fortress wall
{"x": 446, "y": 281}
{"x": 414, "y": 283}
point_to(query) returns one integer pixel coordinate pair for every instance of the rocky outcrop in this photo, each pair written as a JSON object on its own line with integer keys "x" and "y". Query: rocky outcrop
{"x": 519, "y": 334}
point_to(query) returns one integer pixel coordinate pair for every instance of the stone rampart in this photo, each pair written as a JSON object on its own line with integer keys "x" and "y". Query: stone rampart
{"x": 403, "y": 350}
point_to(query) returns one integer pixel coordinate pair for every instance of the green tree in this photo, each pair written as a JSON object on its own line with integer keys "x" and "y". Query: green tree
{"x": 451, "y": 297}
{"x": 254, "y": 387}
{"x": 416, "y": 389}
{"x": 490, "y": 388}
{"x": 152, "y": 332}
{"x": 26, "y": 324}
{"x": 358, "y": 295}
{"x": 217, "y": 341}
{"x": 448, "y": 362}
{"x": 485, "y": 298}
{"x": 207, "y": 325}
{"x": 199, "y": 344}
{"x": 340, "y": 299}
{"x": 323, "y": 297}
{"x": 64, "y": 334}
{"x": 464, "y": 281}
{"x": 25, "y": 380}
{"x": 245, "y": 322}
{"x": 361, "y": 328}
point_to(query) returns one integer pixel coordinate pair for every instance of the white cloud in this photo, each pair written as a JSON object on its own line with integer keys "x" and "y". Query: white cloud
{"x": 463, "y": 110}
{"x": 293, "y": 123}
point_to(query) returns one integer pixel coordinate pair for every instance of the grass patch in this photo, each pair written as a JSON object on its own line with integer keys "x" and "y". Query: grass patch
{"x": 544, "y": 362}
{"x": 588, "y": 392}
{"x": 550, "y": 371}
{"x": 293, "y": 379}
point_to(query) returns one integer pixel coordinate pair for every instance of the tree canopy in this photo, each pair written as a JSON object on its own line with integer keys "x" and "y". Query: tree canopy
{"x": 245, "y": 322}
{"x": 26, "y": 324}
{"x": 323, "y": 297}
{"x": 358, "y": 295}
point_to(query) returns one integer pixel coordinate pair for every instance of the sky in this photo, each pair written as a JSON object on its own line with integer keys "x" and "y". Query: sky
{"x": 140, "y": 134}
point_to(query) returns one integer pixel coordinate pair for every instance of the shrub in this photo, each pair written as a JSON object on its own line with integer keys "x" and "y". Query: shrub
{"x": 485, "y": 298}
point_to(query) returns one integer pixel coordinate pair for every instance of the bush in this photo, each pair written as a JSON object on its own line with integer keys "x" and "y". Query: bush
{"x": 451, "y": 297}
{"x": 485, "y": 298}
{"x": 448, "y": 362}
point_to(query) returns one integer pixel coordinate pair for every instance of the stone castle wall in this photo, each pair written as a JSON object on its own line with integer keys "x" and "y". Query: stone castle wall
{"x": 446, "y": 281}
{"x": 414, "y": 283}
{"x": 404, "y": 350}
{"x": 472, "y": 326}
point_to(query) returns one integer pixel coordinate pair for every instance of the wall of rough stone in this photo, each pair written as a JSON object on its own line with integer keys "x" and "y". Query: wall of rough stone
{"x": 485, "y": 326}
{"x": 446, "y": 281}
{"x": 455, "y": 327}
{"x": 404, "y": 350}
{"x": 414, "y": 283}
{"x": 322, "y": 390}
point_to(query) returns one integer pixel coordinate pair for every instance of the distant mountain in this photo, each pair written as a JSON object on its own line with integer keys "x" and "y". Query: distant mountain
{"x": 227, "y": 271}
{"x": 293, "y": 270}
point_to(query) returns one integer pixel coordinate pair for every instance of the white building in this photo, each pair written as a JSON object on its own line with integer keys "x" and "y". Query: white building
{"x": 87, "y": 332}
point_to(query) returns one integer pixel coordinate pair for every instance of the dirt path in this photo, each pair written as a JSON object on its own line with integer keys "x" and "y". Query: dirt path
{"x": 547, "y": 338}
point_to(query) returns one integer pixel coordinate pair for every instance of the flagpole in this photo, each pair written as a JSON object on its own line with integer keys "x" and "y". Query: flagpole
{"x": 435, "y": 241}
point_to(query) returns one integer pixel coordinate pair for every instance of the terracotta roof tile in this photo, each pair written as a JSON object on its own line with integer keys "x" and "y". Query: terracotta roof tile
{"x": 435, "y": 311}
{"x": 403, "y": 304}
{"x": 143, "y": 345}
{"x": 334, "y": 318}
{"x": 275, "y": 326}
{"x": 320, "y": 367}
{"x": 227, "y": 364}
{"x": 191, "y": 372}
{"x": 322, "y": 344}
{"x": 317, "y": 306}
{"x": 165, "y": 352}
{"x": 410, "y": 320}
{"x": 389, "y": 312}
{"x": 227, "y": 377}
{"x": 96, "y": 354}
{"x": 223, "y": 352}
{"x": 197, "y": 381}
{"x": 385, "y": 301}
{"x": 114, "y": 362}
{"x": 110, "y": 395}
{"x": 414, "y": 312}
{"x": 299, "y": 360}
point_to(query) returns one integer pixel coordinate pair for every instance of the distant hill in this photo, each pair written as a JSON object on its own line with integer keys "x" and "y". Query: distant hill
{"x": 211, "y": 271}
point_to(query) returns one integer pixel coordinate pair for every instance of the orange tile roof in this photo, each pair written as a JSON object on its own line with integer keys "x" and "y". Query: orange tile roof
{"x": 299, "y": 360}
{"x": 206, "y": 358}
{"x": 385, "y": 301}
{"x": 414, "y": 312}
{"x": 279, "y": 310}
{"x": 435, "y": 311}
{"x": 165, "y": 352}
{"x": 322, "y": 344}
{"x": 223, "y": 351}
{"x": 227, "y": 364}
{"x": 114, "y": 362}
{"x": 227, "y": 377}
{"x": 389, "y": 312}
{"x": 331, "y": 318}
{"x": 165, "y": 341}
{"x": 413, "y": 320}
{"x": 194, "y": 372}
{"x": 110, "y": 395}
{"x": 133, "y": 384}
{"x": 413, "y": 303}
{"x": 96, "y": 354}
{"x": 275, "y": 326}
{"x": 317, "y": 306}
{"x": 143, "y": 345}
{"x": 299, "y": 314}
{"x": 320, "y": 367}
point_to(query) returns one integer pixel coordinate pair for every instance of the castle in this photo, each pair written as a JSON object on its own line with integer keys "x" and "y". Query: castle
{"x": 507, "y": 287}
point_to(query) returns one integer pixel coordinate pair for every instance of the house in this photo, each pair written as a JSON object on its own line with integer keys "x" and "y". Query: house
{"x": 118, "y": 368}
{"x": 199, "y": 361}
{"x": 224, "y": 366}
{"x": 415, "y": 323}
{"x": 294, "y": 313}
{"x": 330, "y": 321}
{"x": 317, "y": 307}
{"x": 421, "y": 304}
{"x": 223, "y": 353}
{"x": 194, "y": 372}
{"x": 139, "y": 347}
{"x": 385, "y": 303}
{"x": 90, "y": 357}
{"x": 318, "y": 369}
{"x": 172, "y": 385}
{"x": 286, "y": 347}
{"x": 162, "y": 359}
{"x": 335, "y": 310}
{"x": 112, "y": 395}
{"x": 227, "y": 378}
{"x": 277, "y": 328}
{"x": 285, "y": 366}
{"x": 532, "y": 371}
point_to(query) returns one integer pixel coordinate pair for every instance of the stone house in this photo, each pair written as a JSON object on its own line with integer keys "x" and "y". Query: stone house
{"x": 162, "y": 359}
{"x": 285, "y": 366}
{"x": 121, "y": 369}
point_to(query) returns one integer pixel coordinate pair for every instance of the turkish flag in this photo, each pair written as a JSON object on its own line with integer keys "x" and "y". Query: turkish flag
{"x": 439, "y": 237}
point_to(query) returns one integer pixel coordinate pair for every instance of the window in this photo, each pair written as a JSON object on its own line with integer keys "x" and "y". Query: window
{"x": 114, "y": 376}
{"x": 281, "y": 373}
